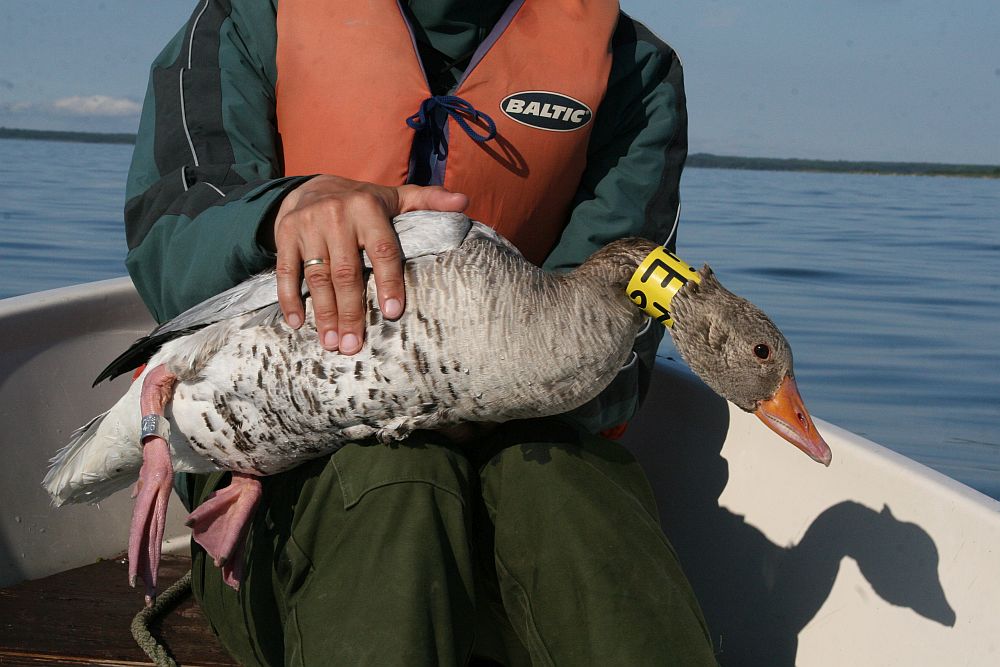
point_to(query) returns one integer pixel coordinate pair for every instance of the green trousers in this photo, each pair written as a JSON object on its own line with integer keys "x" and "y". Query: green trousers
{"x": 540, "y": 545}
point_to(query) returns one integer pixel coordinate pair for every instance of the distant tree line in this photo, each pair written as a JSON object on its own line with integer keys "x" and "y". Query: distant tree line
{"x": 709, "y": 161}
{"x": 77, "y": 137}
{"x": 702, "y": 160}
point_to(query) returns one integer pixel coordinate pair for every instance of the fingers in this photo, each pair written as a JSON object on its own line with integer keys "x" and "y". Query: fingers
{"x": 333, "y": 218}
{"x": 382, "y": 246}
{"x": 430, "y": 198}
{"x": 365, "y": 223}
{"x": 288, "y": 269}
{"x": 383, "y": 249}
{"x": 321, "y": 288}
{"x": 324, "y": 300}
{"x": 346, "y": 313}
{"x": 332, "y": 229}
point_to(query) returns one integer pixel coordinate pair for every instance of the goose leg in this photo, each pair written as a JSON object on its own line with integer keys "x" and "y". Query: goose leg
{"x": 220, "y": 524}
{"x": 152, "y": 491}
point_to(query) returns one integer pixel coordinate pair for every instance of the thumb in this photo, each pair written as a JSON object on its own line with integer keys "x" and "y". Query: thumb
{"x": 430, "y": 198}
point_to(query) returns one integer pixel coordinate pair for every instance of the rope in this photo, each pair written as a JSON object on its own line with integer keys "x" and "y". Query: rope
{"x": 163, "y": 605}
{"x": 426, "y": 120}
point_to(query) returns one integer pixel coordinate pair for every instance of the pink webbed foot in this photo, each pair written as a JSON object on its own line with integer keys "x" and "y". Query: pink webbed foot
{"x": 152, "y": 491}
{"x": 220, "y": 524}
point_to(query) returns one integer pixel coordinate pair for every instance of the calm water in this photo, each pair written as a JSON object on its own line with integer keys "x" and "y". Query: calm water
{"x": 888, "y": 287}
{"x": 60, "y": 214}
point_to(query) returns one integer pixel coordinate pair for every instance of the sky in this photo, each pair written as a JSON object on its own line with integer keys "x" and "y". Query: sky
{"x": 894, "y": 80}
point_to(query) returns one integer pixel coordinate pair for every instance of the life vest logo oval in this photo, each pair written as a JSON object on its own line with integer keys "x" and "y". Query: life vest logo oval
{"x": 546, "y": 110}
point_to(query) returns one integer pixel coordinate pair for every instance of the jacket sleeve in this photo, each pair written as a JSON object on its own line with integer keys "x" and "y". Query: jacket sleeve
{"x": 630, "y": 188}
{"x": 205, "y": 172}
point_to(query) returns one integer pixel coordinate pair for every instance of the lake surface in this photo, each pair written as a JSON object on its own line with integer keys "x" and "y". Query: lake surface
{"x": 888, "y": 287}
{"x": 60, "y": 214}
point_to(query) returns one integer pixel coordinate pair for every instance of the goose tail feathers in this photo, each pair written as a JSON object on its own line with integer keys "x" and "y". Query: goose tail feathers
{"x": 94, "y": 464}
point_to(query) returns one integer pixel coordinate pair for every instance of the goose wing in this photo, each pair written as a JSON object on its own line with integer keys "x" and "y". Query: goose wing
{"x": 420, "y": 233}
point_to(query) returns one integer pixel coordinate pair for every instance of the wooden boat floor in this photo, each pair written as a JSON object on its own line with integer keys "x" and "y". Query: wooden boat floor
{"x": 82, "y": 617}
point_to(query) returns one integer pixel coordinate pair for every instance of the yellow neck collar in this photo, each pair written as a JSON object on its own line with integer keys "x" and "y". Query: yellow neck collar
{"x": 659, "y": 277}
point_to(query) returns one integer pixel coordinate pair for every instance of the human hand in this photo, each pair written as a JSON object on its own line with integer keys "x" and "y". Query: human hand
{"x": 333, "y": 218}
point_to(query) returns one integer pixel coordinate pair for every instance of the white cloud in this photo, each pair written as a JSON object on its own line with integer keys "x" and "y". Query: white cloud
{"x": 82, "y": 113}
{"x": 96, "y": 105}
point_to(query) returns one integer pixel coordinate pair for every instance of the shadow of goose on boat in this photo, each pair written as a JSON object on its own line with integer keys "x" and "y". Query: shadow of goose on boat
{"x": 758, "y": 595}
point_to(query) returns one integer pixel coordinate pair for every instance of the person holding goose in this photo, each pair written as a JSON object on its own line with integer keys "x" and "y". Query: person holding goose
{"x": 291, "y": 135}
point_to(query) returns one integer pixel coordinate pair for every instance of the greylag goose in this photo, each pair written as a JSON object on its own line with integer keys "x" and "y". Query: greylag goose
{"x": 229, "y": 386}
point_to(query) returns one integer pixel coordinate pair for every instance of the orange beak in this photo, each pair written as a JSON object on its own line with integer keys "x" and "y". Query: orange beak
{"x": 786, "y": 414}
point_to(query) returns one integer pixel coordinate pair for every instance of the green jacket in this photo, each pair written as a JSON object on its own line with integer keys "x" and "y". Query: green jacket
{"x": 206, "y": 172}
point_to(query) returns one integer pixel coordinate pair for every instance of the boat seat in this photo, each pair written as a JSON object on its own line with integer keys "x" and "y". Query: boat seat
{"x": 82, "y": 617}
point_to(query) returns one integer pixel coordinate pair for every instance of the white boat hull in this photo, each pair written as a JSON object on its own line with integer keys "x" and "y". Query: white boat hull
{"x": 876, "y": 560}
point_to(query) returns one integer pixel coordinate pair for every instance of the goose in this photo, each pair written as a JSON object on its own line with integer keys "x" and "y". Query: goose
{"x": 228, "y": 385}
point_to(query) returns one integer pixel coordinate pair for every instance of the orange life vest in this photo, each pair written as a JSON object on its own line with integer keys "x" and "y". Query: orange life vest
{"x": 349, "y": 77}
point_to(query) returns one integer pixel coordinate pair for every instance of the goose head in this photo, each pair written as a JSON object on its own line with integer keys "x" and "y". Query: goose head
{"x": 725, "y": 340}
{"x": 740, "y": 353}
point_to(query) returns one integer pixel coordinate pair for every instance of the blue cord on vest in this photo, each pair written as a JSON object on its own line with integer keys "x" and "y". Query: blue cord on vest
{"x": 459, "y": 110}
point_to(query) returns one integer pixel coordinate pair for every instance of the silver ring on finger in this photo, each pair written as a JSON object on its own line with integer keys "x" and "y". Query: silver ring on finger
{"x": 313, "y": 262}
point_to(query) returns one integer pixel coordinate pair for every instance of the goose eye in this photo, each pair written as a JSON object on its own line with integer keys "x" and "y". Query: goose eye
{"x": 761, "y": 351}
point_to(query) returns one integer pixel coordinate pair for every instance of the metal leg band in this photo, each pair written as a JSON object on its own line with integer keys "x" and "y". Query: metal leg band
{"x": 154, "y": 425}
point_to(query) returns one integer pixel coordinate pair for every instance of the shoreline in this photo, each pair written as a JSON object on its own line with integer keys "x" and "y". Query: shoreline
{"x": 695, "y": 160}
{"x": 711, "y": 161}
{"x": 67, "y": 137}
